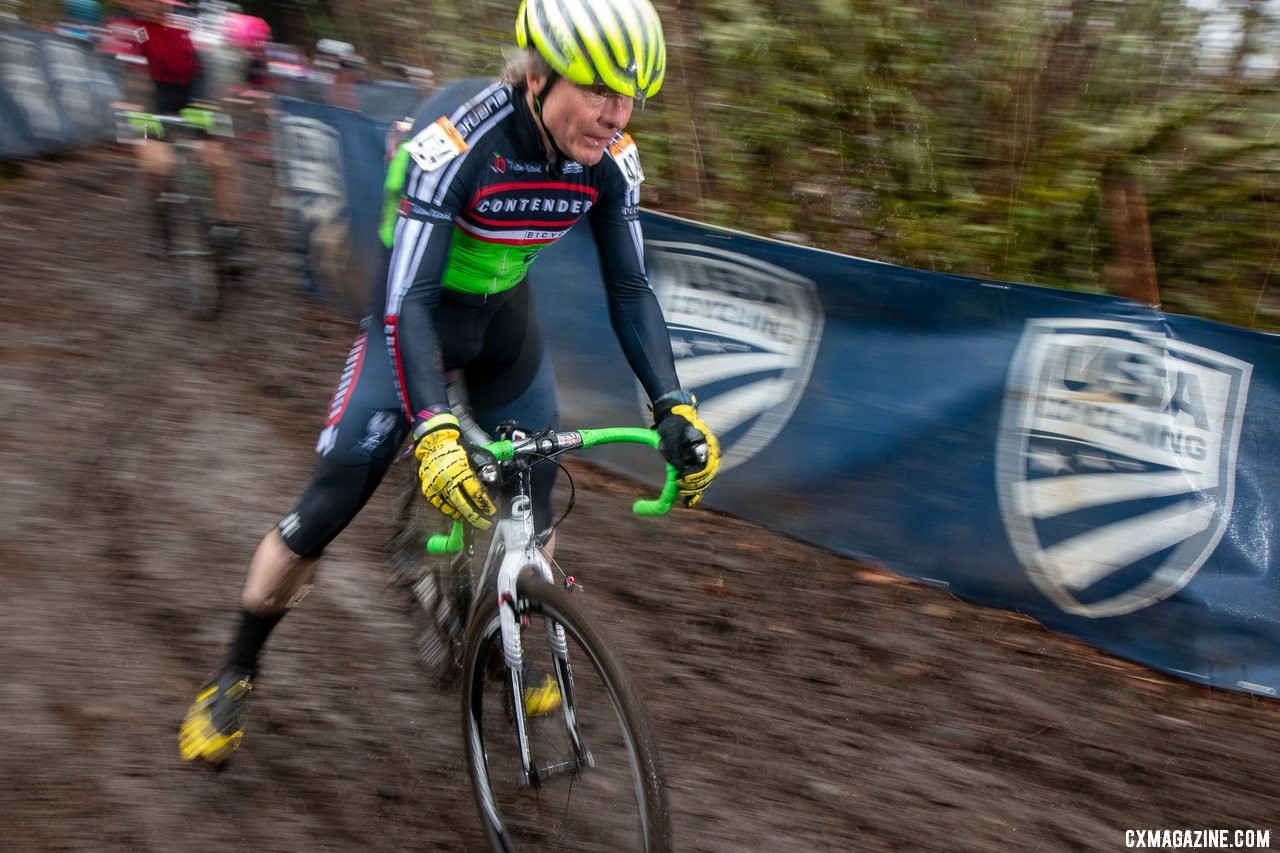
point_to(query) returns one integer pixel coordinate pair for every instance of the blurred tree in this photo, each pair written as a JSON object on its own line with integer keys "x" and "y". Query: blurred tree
{"x": 1077, "y": 143}
{"x": 1089, "y": 144}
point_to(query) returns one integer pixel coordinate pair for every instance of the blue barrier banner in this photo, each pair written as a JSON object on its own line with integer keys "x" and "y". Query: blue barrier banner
{"x": 15, "y": 139}
{"x": 81, "y": 87}
{"x": 1104, "y": 468}
{"x": 331, "y": 167}
{"x": 55, "y": 93}
{"x": 23, "y": 78}
{"x": 387, "y": 101}
{"x": 382, "y": 101}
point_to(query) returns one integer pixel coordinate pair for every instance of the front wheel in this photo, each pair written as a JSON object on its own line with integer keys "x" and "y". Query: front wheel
{"x": 597, "y": 780}
{"x": 193, "y": 258}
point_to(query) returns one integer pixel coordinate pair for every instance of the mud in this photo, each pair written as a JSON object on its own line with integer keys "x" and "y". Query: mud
{"x": 804, "y": 702}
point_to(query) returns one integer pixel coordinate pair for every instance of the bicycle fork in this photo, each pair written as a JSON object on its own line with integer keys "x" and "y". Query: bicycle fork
{"x": 520, "y": 533}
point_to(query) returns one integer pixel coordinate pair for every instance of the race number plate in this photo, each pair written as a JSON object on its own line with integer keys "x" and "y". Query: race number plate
{"x": 626, "y": 154}
{"x": 436, "y": 144}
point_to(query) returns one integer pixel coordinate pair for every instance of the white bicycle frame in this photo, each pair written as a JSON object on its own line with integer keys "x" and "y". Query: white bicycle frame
{"x": 513, "y": 550}
{"x": 515, "y": 540}
{"x": 513, "y": 537}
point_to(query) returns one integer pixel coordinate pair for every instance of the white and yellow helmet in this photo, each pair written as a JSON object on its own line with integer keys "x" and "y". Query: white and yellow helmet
{"x": 617, "y": 43}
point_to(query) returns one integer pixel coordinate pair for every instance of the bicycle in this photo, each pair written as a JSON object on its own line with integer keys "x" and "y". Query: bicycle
{"x": 587, "y": 775}
{"x": 185, "y": 206}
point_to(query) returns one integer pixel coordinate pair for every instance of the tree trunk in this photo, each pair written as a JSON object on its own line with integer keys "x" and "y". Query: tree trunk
{"x": 1131, "y": 271}
{"x": 686, "y": 80}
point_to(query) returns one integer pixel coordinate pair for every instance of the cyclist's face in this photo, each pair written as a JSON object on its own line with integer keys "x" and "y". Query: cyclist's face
{"x": 582, "y": 118}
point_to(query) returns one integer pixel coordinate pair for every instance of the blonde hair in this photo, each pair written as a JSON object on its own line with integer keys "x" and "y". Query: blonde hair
{"x": 519, "y": 62}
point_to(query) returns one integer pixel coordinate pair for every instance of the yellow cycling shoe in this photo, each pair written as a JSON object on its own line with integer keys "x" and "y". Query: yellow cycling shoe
{"x": 539, "y": 701}
{"x": 214, "y": 723}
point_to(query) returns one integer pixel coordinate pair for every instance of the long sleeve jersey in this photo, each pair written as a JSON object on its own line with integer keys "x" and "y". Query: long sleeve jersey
{"x": 171, "y": 55}
{"x": 473, "y": 204}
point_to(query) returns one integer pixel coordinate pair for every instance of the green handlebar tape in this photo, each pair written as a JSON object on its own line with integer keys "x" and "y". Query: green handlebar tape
{"x": 619, "y": 435}
{"x": 152, "y": 125}
{"x": 197, "y": 117}
{"x": 147, "y": 123}
{"x": 661, "y": 505}
{"x": 645, "y": 508}
{"x": 450, "y": 543}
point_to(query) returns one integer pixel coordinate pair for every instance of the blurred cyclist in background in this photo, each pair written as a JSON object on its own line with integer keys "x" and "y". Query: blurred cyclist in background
{"x": 256, "y": 72}
{"x": 341, "y": 68}
{"x": 81, "y": 19}
{"x": 492, "y": 172}
{"x": 177, "y": 79}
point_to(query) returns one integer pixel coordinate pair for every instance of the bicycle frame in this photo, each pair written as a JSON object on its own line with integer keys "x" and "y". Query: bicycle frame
{"x": 512, "y": 551}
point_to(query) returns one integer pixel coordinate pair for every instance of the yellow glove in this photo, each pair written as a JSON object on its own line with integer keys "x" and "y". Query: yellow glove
{"x": 687, "y": 443}
{"x": 446, "y": 475}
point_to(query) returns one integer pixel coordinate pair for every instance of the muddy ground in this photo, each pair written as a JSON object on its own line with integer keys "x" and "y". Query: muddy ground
{"x": 804, "y": 702}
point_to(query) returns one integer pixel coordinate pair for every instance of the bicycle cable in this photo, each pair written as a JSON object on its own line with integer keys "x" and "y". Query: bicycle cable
{"x": 573, "y": 489}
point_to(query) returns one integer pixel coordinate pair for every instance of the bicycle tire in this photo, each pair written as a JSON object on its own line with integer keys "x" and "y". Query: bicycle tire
{"x": 193, "y": 258}
{"x": 604, "y": 806}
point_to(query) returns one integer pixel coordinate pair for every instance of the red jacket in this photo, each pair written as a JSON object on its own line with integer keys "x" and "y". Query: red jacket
{"x": 171, "y": 57}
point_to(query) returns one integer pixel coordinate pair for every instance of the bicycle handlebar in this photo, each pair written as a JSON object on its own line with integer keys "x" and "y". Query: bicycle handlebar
{"x": 192, "y": 118}
{"x": 546, "y": 444}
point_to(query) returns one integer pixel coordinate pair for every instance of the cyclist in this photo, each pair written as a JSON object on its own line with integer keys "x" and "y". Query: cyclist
{"x": 177, "y": 79}
{"x": 341, "y": 68}
{"x": 492, "y": 172}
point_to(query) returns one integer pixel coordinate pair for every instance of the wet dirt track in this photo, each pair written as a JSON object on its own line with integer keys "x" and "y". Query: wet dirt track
{"x": 803, "y": 702}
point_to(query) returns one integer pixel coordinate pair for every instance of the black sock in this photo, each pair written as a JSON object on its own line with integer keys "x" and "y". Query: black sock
{"x": 250, "y": 637}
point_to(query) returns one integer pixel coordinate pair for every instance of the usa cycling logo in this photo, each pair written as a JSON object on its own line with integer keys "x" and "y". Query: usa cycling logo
{"x": 744, "y": 333}
{"x": 1116, "y": 460}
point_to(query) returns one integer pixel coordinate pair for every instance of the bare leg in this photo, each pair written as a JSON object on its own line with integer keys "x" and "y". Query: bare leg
{"x": 156, "y": 161}
{"x": 278, "y": 578}
{"x": 226, "y": 180}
